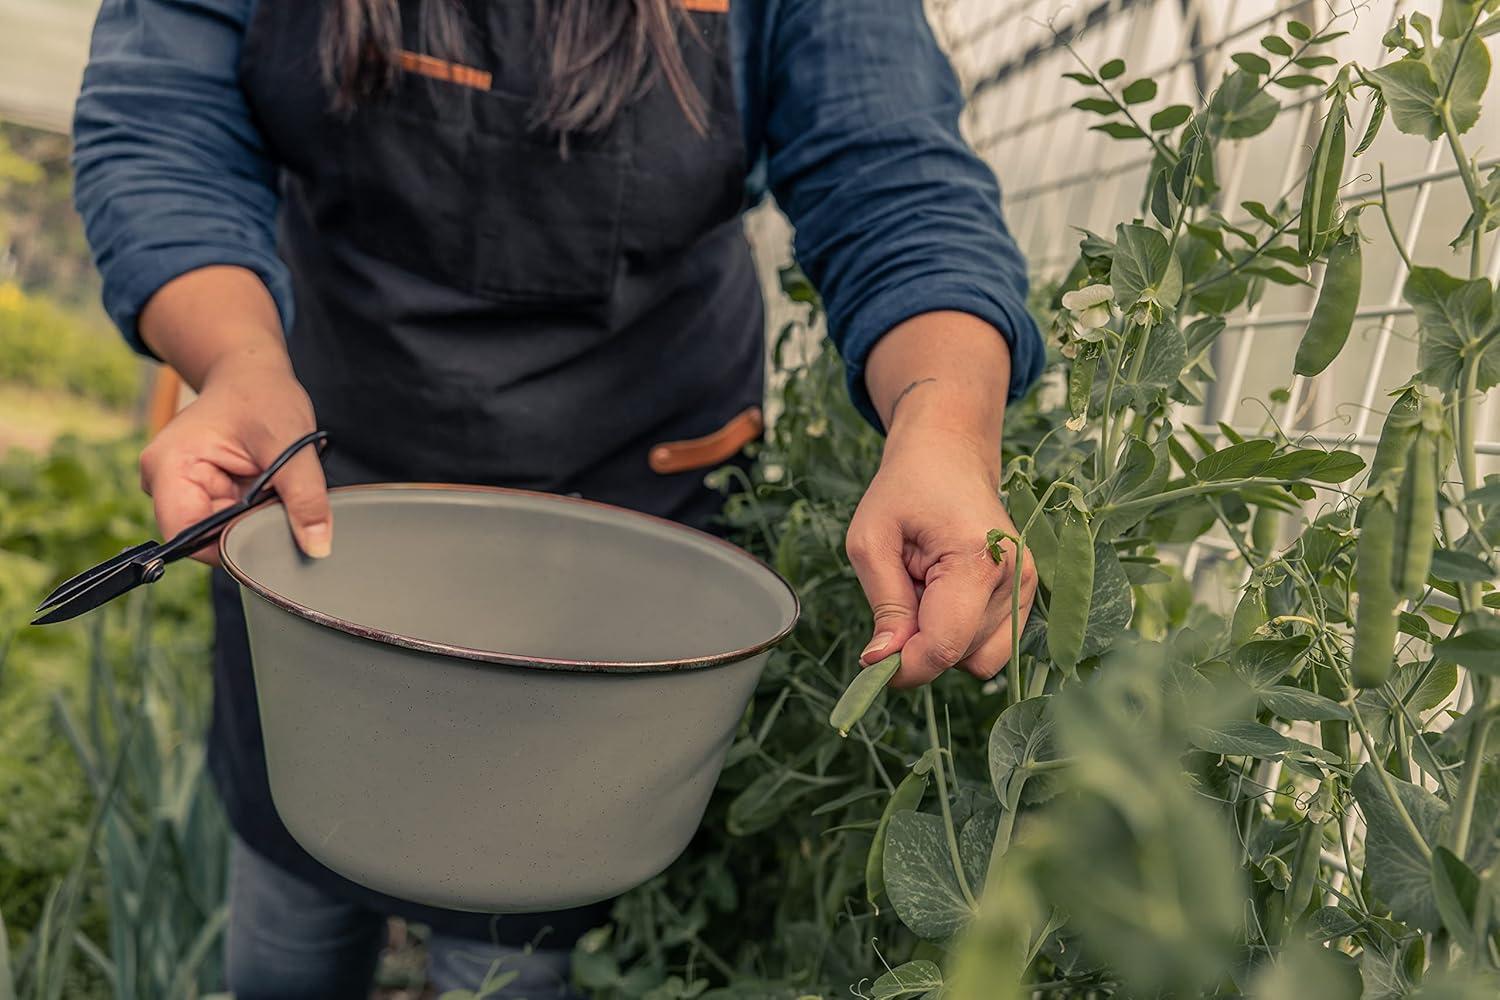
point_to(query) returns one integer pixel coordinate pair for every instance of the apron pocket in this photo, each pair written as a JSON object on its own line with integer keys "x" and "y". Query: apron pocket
{"x": 407, "y": 195}
{"x": 548, "y": 225}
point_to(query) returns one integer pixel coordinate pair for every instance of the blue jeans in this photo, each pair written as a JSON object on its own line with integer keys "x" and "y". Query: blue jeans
{"x": 288, "y": 940}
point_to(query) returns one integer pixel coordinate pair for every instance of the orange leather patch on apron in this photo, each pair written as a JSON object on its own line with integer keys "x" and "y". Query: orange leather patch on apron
{"x": 440, "y": 69}
{"x": 706, "y": 6}
{"x": 710, "y": 450}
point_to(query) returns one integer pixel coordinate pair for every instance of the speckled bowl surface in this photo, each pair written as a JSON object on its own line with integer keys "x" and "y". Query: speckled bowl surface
{"x": 495, "y": 700}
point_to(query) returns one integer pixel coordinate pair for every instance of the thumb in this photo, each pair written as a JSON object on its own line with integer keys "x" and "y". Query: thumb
{"x": 304, "y": 494}
{"x": 876, "y": 555}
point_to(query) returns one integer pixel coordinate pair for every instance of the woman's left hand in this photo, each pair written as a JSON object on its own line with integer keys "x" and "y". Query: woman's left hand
{"x": 917, "y": 543}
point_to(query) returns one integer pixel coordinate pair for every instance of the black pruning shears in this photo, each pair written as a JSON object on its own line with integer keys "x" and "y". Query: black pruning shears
{"x": 145, "y": 563}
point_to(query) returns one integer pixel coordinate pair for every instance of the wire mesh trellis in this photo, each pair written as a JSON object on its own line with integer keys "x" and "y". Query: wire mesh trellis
{"x": 1059, "y": 176}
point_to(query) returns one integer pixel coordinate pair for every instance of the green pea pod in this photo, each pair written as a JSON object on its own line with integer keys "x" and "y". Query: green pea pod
{"x": 908, "y": 795}
{"x": 1041, "y": 540}
{"x": 1249, "y": 616}
{"x": 1396, "y": 436}
{"x": 1333, "y": 316}
{"x": 1304, "y": 870}
{"x": 1375, "y": 625}
{"x": 1320, "y": 191}
{"x": 1068, "y": 610}
{"x": 1265, "y": 530}
{"x": 862, "y": 692}
{"x": 1416, "y": 512}
{"x": 1333, "y": 733}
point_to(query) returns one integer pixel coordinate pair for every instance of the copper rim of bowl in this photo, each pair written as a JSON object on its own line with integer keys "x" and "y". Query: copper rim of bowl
{"x": 513, "y": 659}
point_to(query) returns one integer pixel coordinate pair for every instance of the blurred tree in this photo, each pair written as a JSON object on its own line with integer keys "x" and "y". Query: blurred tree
{"x": 42, "y": 248}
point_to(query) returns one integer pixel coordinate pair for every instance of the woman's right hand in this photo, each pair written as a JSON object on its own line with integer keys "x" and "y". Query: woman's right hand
{"x": 249, "y": 408}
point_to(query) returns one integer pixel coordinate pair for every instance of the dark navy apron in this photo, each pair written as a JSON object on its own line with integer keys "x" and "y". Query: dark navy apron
{"x": 476, "y": 304}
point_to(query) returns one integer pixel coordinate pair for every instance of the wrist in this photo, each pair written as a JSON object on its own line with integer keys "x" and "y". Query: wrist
{"x": 251, "y": 361}
{"x": 947, "y": 427}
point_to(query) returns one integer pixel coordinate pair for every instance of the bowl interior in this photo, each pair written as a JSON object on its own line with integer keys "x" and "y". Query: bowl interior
{"x": 519, "y": 574}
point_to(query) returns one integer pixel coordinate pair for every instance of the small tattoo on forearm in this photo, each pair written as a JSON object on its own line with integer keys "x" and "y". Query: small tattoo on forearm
{"x": 905, "y": 392}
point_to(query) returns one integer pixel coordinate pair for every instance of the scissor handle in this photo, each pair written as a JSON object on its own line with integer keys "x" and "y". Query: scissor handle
{"x": 194, "y": 537}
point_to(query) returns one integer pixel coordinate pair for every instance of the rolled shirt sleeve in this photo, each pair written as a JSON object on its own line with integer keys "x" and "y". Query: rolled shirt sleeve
{"x": 895, "y": 215}
{"x": 171, "y": 172}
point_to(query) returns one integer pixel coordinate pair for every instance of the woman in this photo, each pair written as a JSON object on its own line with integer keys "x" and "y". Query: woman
{"x": 511, "y": 232}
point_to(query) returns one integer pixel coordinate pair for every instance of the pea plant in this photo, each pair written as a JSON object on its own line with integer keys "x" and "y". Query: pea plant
{"x": 1280, "y": 786}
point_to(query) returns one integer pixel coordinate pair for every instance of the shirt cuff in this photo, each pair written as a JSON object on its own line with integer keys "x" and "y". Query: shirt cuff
{"x": 130, "y": 286}
{"x": 894, "y": 306}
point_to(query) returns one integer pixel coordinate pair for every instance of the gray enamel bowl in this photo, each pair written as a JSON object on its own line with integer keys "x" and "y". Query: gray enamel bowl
{"x": 494, "y": 700}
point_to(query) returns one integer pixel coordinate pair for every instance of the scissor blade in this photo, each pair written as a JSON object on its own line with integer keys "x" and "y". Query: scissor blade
{"x": 105, "y": 588}
{"x": 71, "y": 586}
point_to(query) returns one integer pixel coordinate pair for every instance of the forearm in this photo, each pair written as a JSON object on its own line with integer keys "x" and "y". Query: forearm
{"x": 944, "y": 373}
{"x": 211, "y": 315}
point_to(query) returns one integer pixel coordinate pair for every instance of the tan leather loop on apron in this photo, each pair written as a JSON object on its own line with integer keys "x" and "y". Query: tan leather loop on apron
{"x": 711, "y": 449}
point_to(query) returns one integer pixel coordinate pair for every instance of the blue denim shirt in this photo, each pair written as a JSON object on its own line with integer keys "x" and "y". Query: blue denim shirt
{"x": 850, "y": 114}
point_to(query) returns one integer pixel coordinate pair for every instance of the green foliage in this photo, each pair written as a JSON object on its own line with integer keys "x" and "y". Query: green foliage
{"x": 47, "y": 346}
{"x": 64, "y": 692}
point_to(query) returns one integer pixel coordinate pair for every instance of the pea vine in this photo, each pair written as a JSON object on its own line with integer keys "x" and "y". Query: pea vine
{"x": 1270, "y": 773}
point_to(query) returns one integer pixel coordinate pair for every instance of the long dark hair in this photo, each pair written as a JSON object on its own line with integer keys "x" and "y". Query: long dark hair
{"x": 600, "y": 56}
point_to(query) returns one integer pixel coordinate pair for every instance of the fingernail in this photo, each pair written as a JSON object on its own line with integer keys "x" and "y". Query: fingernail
{"x": 876, "y": 645}
{"x": 317, "y": 540}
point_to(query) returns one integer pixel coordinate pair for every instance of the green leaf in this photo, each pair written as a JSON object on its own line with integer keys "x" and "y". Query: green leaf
{"x": 1118, "y": 130}
{"x": 1240, "y": 109}
{"x": 1298, "y": 30}
{"x": 1314, "y": 62}
{"x": 1251, "y": 62}
{"x": 919, "y": 877}
{"x": 1460, "y": 567}
{"x": 1240, "y": 738}
{"x": 1139, "y": 91}
{"x": 1135, "y": 470}
{"x": 1111, "y": 605}
{"x": 1478, "y": 650}
{"x": 1144, "y": 270}
{"x": 1295, "y": 704}
{"x": 1161, "y": 201}
{"x": 976, "y": 842}
{"x": 1238, "y": 461}
{"x": 1098, "y": 105}
{"x": 1315, "y": 464}
{"x": 1021, "y": 738}
{"x": 1263, "y": 662}
{"x": 1332, "y": 922}
{"x": 1413, "y": 88}
{"x": 1170, "y": 116}
{"x": 1468, "y": 67}
{"x": 1458, "y": 15}
{"x": 1455, "y": 888}
{"x": 1279, "y": 275}
{"x": 1165, "y": 358}
{"x": 1398, "y": 869}
{"x": 764, "y": 801}
{"x": 1411, "y": 94}
{"x": 1453, "y": 316}
{"x": 1296, "y": 81}
{"x": 1087, "y": 79}
{"x": 911, "y": 979}
{"x": 1112, "y": 69}
{"x": 1489, "y": 493}
{"x": 1277, "y": 45}
{"x": 1261, "y": 213}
